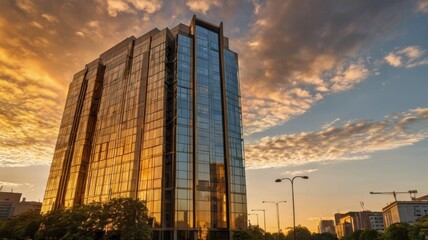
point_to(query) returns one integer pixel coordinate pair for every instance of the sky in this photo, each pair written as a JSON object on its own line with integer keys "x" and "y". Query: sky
{"x": 335, "y": 90}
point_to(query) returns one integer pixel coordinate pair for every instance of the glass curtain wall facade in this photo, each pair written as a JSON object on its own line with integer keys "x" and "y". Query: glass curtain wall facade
{"x": 157, "y": 118}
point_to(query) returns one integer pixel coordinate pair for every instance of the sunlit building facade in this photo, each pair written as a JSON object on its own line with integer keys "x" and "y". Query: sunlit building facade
{"x": 405, "y": 211}
{"x": 157, "y": 118}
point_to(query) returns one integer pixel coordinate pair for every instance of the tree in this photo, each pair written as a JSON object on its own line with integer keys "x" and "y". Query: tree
{"x": 241, "y": 235}
{"x": 122, "y": 218}
{"x": 255, "y": 232}
{"x": 302, "y": 233}
{"x": 53, "y": 225}
{"x": 353, "y": 236}
{"x": 419, "y": 231}
{"x": 369, "y": 234}
{"x": 84, "y": 221}
{"x": 423, "y": 224}
{"x": 281, "y": 236}
{"x": 22, "y": 226}
{"x": 270, "y": 236}
{"x": 128, "y": 218}
{"x": 397, "y": 231}
{"x": 6, "y": 229}
{"x": 323, "y": 236}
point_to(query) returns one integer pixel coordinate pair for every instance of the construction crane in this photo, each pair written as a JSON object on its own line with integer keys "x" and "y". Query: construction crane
{"x": 394, "y": 193}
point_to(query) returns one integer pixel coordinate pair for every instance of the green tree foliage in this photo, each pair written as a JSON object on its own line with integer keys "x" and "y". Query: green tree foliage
{"x": 122, "y": 218}
{"x": 280, "y": 237}
{"x": 73, "y": 223}
{"x": 302, "y": 233}
{"x": 241, "y": 235}
{"x": 369, "y": 234}
{"x": 422, "y": 224}
{"x": 128, "y": 218}
{"x": 270, "y": 236}
{"x": 419, "y": 231}
{"x": 53, "y": 225}
{"x": 253, "y": 232}
{"x": 354, "y": 236}
{"x": 397, "y": 231}
{"x": 23, "y": 226}
{"x": 323, "y": 236}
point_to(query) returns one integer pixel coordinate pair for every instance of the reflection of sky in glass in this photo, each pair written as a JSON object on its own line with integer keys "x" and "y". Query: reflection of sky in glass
{"x": 210, "y": 172}
{"x": 237, "y": 180}
{"x": 184, "y": 186}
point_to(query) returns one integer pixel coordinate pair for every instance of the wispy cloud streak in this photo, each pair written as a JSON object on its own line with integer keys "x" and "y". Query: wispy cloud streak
{"x": 408, "y": 57}
{"x": 351, "y": 141}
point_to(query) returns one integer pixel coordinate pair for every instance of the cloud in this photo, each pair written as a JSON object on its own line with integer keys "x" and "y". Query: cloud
{"x": 12, "y": 184}
{"x": 36, "y": 25}
{"x": 50, "y": 18}
{"x": 347, "y": 78}
{"x": 131, "y": 6}
{"x": 29, "y": 112}
{"x": 330, "y": 124}
{"x": 94, "y": 24}
{"x": 26, "y": 6}
{"x": 36, "y": 67}
{"x": 202, "y": 6}
{"x": 393, "y": 60}
{"x": 351, "y": 141}
{"x": 317, "y": 219}
{"x": 116, "y": 6}
{"x": 408, "y": 57}
{"x": 80, "y": 34}
{"x": 300, "y": 172}
{"x": 320, "y": 54}
{"x": 423, "y": 6}
{"x": 256, "y": 6}
{"x": 261, "y": 113}
{"x": 276, "y": 107}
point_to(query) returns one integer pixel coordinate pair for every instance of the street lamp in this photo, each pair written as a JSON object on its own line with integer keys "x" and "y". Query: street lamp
{"x": 292, "y": 199}
{"x": 256, "y": 215}
{"x": 277, "y": 213}
{"x": 264, "y": 216}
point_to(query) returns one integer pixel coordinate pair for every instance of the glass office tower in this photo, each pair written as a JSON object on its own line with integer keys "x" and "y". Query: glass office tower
{"x": 157, "y": 118}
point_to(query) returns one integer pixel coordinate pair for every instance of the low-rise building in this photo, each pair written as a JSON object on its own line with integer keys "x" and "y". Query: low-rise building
{"x": 326, "y": 226}
{"x": 10, "y": 205}
{"x": 350, "y": 222}
{"x": 9, "y": 201}
{"x": 405, "y": 211}
{"x": 25, "y": 206}
{"x": 376, "y": 222}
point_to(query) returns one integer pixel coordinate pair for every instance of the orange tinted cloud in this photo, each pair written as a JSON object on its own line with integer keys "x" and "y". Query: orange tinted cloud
{"x": 311, "y": 45}
{"x": 39, "y": 53}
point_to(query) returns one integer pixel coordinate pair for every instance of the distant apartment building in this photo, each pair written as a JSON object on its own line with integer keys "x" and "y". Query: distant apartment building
{"x": 25, "y": 206}
{"x": 10, "y": 205}
{"x": 376, "y": 222}
{"x": 9, "y": 201}
{"x": 405, "y": 211}
{"x": 350, "y": 222}
{"x": 326, "y": 226}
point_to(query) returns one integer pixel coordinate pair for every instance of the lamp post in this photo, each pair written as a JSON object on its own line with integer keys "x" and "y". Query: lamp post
{"x": 264, "y": 217}
{"x": 292, "y": 199}
{"x": 257, "y": 215}
{"x": 277, "y": 213}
